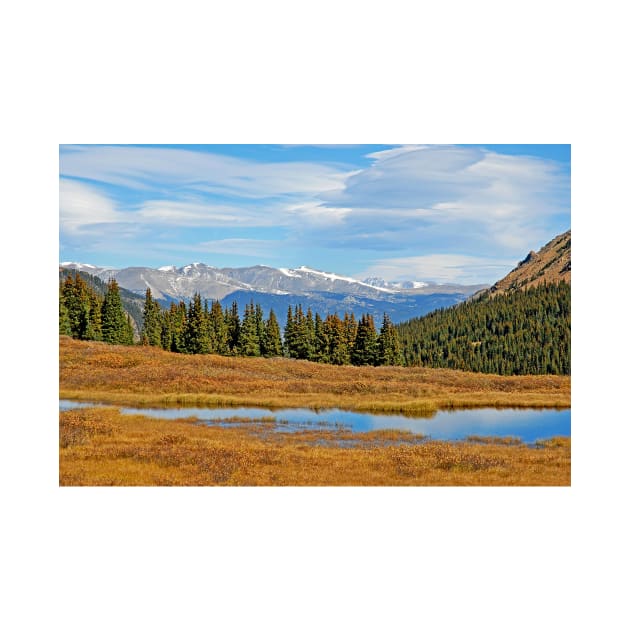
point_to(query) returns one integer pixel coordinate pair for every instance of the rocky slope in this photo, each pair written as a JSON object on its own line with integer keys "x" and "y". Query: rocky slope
{"x": 550, "y": 265}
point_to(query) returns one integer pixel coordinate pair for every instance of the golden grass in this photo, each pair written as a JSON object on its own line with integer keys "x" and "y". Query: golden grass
{"x": 99, "y": 446}
{"x": 150, "y": 376}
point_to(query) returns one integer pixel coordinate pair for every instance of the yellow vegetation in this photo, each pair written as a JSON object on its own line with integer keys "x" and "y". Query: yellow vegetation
{"x": 146, "y": 375}
{"x": 99, "y": 446}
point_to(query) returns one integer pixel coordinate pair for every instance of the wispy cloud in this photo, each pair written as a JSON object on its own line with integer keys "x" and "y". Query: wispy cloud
{"x": 430, "y": 212}
{"x": 146, "y": 168}
{"x": 81, "y": 205}
{"x": 442, "y": 268}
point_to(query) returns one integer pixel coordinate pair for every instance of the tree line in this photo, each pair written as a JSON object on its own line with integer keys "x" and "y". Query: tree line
{"x": 522, "y": 332}
{"x": 84, "y": 314}
{"x": 200, "y": 327}
{"x": 203, "y": 328}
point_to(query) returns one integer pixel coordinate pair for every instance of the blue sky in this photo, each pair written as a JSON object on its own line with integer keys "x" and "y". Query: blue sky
{"x": 445, "y": 213}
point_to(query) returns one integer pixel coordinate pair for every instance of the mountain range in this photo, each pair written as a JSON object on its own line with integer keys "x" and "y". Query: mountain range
{"x": 277, "y": 288}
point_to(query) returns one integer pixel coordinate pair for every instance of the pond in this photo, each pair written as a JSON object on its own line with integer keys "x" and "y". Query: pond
{"x": 528, "y": 425}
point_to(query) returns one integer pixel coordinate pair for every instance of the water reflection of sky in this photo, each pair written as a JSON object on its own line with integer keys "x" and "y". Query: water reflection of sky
{"x": 527, "y": 424}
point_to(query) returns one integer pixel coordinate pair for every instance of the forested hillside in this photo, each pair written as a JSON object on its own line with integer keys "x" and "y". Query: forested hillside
{"x": 85, "y": 314}
{"x": 521, "y": 332}
{"x": 132, "y": 304}
{"x": 202, "y": 328}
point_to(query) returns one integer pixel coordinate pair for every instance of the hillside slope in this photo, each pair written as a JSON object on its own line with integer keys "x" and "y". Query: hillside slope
{"x": 550, "y": 265}
{"x": 521, "y": 325}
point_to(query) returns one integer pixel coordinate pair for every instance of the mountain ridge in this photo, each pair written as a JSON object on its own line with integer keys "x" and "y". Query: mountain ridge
{"x": 275, "y": 288}
{"x": 551, "y": 264}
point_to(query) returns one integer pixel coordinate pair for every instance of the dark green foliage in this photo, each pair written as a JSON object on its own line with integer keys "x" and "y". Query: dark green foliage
{"x": 290, "y": 338}
{"x": 233, "y": 323}
{"x": 271, "y": 343}
{"x": 151, "y": 321}
{"x": 116, "y": 327}
{"x": 75, "y": 296}
{"x": 173, "y": 328}
{"x": 64, "y": 319}
{"x": 321, "y": 354}
{"x": 522, "y": 332}
{"x": 365, "y": 347}
{"x": 338, "y": 348}
{"x": 301, "y": 342}
{"x": 218, "y": 329}
{"x": 132, "y": 303}
{"x": 249, "y": 341}
{"x": 195, "y": 333}
{"x": 389, "y": 352}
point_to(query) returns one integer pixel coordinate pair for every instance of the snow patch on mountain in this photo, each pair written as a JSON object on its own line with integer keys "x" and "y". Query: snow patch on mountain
{"x": 334, "y": 276}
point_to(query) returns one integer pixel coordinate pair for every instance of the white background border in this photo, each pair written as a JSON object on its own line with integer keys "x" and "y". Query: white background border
{"x": 484, "y": 72}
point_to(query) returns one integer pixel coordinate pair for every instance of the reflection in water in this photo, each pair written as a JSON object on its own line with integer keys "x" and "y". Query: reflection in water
{"x": 528, "y": 425}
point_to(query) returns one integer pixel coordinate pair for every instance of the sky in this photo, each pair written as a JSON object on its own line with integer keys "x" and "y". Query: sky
{"x": 439, "y": 213}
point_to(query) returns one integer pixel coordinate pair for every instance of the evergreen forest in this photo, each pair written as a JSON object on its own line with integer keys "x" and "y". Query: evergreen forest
{"x": 202, "y": 328}
{"x": 521, "y": 332}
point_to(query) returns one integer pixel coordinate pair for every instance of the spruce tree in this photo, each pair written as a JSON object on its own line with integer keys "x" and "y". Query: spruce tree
{"x": 218, "y": 329}
{"x": 114, "y": 323}
{"x": 290, "y": 335}
{"x": 64, "y": 320}
{"x": 322, "y": 350}
{"x": 249, "y": 340}
{"x": 337, "y": 338}
{"x": 195, "y": 333}
{"x": 233, "y": 322}
{"x": 389, "y": 352}
{"x": 151, "y": 321}
{"x": 271, "y": 345}
{"x": 365, "y": 348}
{"x": 76, "y": 299}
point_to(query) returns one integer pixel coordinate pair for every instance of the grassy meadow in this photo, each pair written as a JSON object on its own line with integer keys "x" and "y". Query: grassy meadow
{"x": 141, "y": 375}
{"x": 99, "y": 446}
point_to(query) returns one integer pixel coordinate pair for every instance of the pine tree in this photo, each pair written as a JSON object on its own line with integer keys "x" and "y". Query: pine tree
{"x": 64, "y": 320}
{"x": 389, "y": 352}
{"x": 76, "y": 298}
{"x": 271, "y": 345}
{"x": 195, "y": 333}
{"x": 218, "y": 329}
{"x": 249, "y": 342}
{"x": 233, "y": 322}
{"x": 128, "y": 332}
{"x": 290, "y": 335}
{"x": 350, "y": 327}
{"x": 114, "y": 322}
{"x": 303, "y": 334}
{"x": 337, "y": 338}
{"x": 151, "y": 321}
{"x": 322, "y": 350}
{"x": 365, "y": 349}
{"x": 94, "y": 328}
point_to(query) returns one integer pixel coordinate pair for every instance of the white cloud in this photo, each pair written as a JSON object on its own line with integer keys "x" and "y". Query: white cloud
{"x": 432, "y": 194}
{"x": 199, "y": 214}
{"x": 151, "y": 168}
{"x": 317, "y": 214}
{"x": 81, "y": 205}
{"x": 443, "y": 268}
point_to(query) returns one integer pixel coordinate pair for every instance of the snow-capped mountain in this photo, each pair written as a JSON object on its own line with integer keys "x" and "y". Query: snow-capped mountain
{"x": 324, "y": 291}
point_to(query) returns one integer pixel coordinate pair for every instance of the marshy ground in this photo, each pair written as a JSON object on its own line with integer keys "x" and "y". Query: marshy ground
{"x": 136, "y": 375}
{"x": 101, "y": 446}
